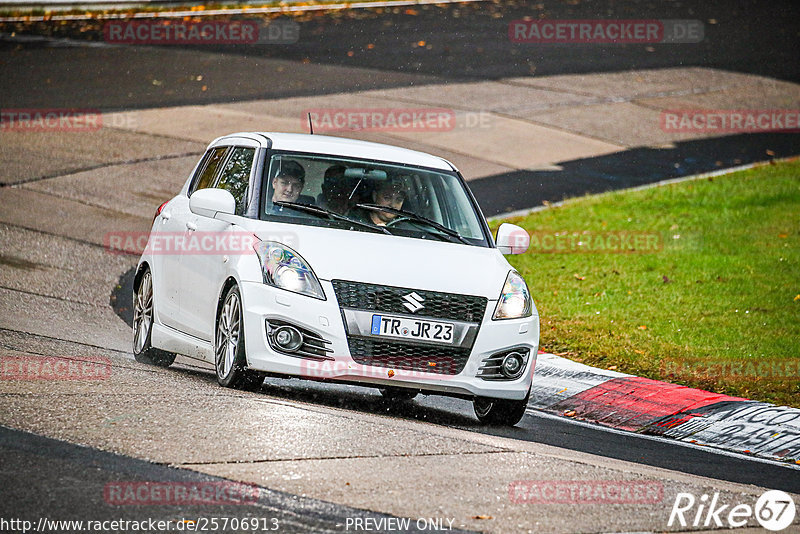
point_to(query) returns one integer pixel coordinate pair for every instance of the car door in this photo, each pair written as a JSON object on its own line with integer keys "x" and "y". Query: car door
{"x": 204, "y": 271}
{"x": 176, "y": 229}
{"x": 171, "y": 226}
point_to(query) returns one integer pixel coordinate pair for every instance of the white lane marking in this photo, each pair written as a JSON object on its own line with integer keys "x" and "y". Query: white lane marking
{"x": 707, "y": 448}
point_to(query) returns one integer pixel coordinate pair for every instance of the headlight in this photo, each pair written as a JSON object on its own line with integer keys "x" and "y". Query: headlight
{"x": 284, "y": 268}
{"x": 515, "y": 299}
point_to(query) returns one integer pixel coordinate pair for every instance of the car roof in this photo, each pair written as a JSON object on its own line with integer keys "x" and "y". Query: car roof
{"x": 339, "y": 146}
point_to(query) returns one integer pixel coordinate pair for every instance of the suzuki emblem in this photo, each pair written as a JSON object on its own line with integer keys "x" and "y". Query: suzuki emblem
{"x": 413, "y": 302}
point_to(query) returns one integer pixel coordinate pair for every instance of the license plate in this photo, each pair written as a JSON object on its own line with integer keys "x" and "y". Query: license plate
{"x": 418, "y": 329}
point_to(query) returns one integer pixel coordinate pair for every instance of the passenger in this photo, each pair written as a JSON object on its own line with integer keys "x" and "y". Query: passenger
{"x": 336, "y": 190}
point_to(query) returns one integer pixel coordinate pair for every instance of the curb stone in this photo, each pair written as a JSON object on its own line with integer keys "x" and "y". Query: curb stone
{"x": 646, "y": 406}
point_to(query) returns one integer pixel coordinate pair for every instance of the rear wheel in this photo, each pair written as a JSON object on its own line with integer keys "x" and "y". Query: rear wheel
{"x": 500, "y": 411}
{"x": 398, "y": 394}
{"x": 143, "y": 315}
{"x": 229, "y": 352}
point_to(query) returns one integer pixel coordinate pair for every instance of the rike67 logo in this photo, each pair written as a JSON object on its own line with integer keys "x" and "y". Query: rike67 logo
{"x": 774, "y": 510}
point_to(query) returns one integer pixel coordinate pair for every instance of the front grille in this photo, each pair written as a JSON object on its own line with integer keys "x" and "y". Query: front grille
{"x": 389, "y": 299}
{"x": 393, "y": 355}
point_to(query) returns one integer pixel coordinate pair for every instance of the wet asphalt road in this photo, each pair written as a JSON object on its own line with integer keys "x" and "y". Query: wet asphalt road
{"x": 58, "y": 481}
{"x": 373, "y": 49}
{"x": 540, "y": 428}
{"x": 426, "y": 44}
{"x": 752, "y": 37}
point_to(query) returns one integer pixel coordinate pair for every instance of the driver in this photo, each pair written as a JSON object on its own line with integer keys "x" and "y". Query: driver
{"x": 287, "y": 185}
{"x": 289, "y": 182}
{"x": 391, "y": 193}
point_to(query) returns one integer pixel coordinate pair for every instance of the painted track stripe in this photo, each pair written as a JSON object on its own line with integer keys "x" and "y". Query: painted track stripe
{"x": 632, "y": 403}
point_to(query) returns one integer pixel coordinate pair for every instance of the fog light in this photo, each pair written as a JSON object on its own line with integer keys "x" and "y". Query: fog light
{"x": 512, "y": 364}
{"x": 288, "y": 338}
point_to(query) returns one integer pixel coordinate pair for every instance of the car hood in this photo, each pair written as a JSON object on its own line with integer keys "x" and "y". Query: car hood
{"x": 432, "y": 265}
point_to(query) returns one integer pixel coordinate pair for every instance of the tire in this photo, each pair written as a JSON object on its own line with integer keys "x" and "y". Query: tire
{"x": 398, "y": 394}
{"x": 230, "y": 361}
{"x": 143, "y": 314}
{"x": 500, "y": 412}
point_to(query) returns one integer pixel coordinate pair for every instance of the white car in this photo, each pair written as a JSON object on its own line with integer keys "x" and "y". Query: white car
{"x": 338, "y": 260}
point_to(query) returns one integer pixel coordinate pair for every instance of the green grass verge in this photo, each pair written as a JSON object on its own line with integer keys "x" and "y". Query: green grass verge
{"x": 718, "y": 302}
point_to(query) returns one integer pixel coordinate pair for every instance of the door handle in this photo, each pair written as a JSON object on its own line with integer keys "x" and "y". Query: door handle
{"x": 191, "y": 226}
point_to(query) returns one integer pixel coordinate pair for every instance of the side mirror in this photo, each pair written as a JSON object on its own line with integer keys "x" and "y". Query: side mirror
{"x": 210, "y": 202}
{"x": 511, "y": 239}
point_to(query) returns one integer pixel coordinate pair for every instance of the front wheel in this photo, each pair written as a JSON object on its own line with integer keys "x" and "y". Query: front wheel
{"x": 143, "y": 351}
{"x": 229, "y": 355}
{"x": 500, "y": 411}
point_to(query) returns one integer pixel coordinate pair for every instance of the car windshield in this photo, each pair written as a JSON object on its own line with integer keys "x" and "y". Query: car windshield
{"x": 365, "y": 195}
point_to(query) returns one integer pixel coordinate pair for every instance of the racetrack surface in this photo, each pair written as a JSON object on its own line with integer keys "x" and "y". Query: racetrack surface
{"x": 585, "y": 120}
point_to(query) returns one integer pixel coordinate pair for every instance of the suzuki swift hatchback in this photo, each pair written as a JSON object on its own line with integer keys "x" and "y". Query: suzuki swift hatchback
{"x": 340, "y": 260}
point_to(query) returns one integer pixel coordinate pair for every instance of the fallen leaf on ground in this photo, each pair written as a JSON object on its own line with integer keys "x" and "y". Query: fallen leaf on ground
{"x": 578, "y": 277}
{"x": 481, "y": 517}
{"x": 570, "y": 413}
{"x": 642, "y": 327}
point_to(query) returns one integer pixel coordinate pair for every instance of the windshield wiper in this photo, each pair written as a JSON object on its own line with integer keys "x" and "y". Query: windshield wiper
{"x": 415, "y": 218}
{"x": 322, "y": 212}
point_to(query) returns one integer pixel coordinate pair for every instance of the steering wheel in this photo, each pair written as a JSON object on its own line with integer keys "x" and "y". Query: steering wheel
{"x": 398, "y": 220}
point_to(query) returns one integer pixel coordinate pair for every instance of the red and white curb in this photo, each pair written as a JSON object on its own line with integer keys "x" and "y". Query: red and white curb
{"x": 645, "y": 406}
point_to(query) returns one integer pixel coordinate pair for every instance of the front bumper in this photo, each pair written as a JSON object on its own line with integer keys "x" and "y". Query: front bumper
{"x": 325, "y": 318}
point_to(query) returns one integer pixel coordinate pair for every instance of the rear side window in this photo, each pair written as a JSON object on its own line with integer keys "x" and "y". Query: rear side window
{"x": 211, "y": 163}
{"x": 235, "y": 175}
